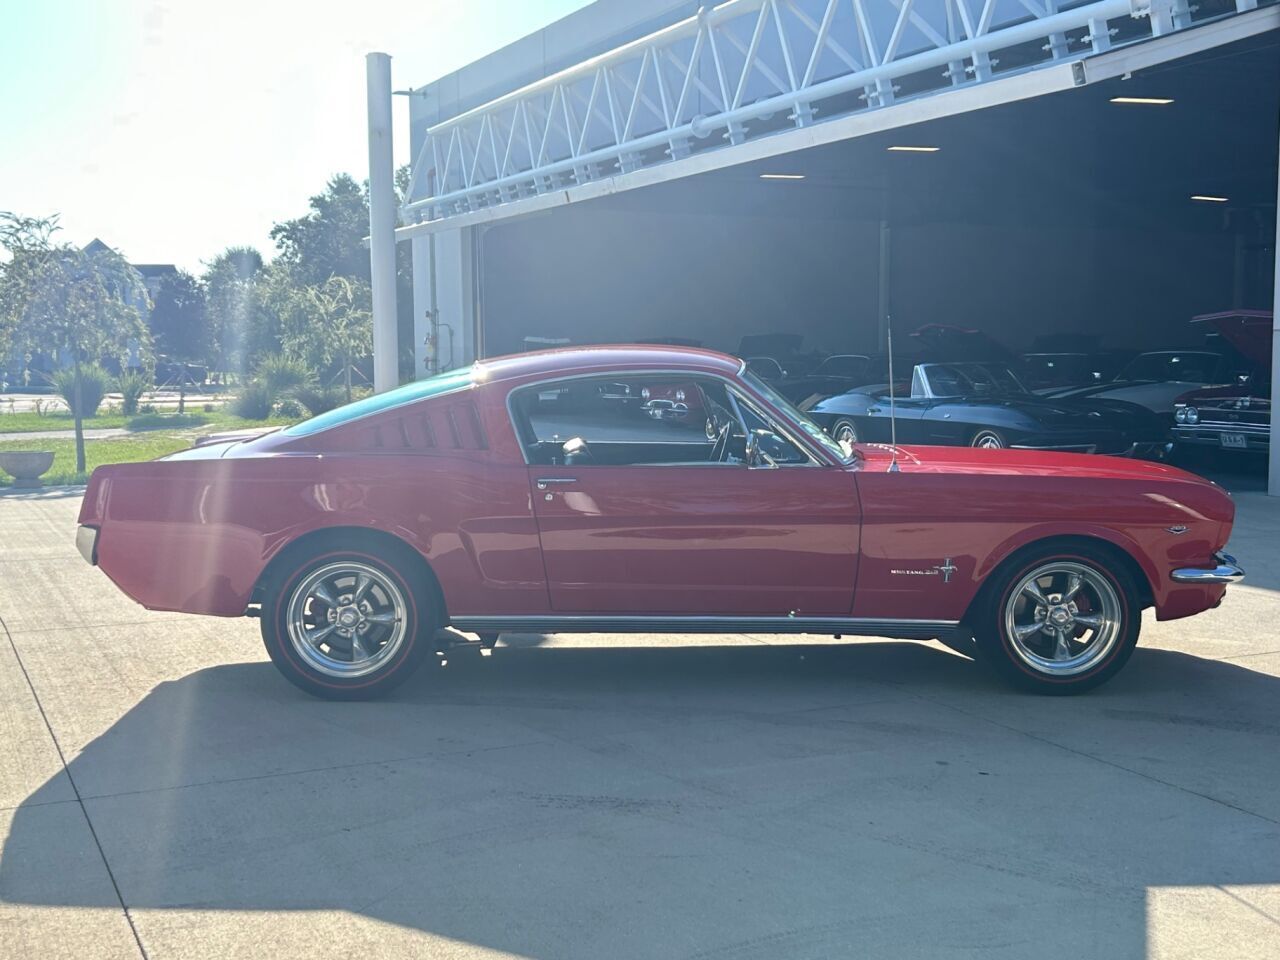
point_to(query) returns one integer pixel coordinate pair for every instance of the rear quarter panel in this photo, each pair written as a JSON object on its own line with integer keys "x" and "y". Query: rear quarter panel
{"x": 195, "y": 535}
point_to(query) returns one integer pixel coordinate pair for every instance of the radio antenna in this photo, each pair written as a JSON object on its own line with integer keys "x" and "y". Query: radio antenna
{"x": 893, "y": 407}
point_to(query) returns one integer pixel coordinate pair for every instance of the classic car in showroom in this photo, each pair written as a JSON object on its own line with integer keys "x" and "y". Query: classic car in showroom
{"x": 1157, "y": 379}
{"x": 1237, "y": 416}
{"x": 985, "y": 405}
{"x": 520, "y": 495}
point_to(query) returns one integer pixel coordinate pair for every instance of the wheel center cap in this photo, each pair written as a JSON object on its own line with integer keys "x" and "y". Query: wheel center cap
{"x": 348, "y": 617}
{"x": 1060, "y": 616}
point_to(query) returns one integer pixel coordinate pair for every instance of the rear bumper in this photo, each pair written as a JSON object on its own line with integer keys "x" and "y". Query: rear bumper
{"x": 87, "y": 544}
{"x": 1224, "y": 571}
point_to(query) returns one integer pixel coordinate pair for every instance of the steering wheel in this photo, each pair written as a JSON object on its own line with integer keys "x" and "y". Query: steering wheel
{"x": 720, "y": 449}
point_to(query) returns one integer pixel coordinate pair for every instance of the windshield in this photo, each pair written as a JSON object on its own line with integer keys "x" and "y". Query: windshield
{"x": 972, "y": 380}
{"x": 801, "y": 420}
{"x": 418, "y": 390}
{"x": 1192, "y": 367}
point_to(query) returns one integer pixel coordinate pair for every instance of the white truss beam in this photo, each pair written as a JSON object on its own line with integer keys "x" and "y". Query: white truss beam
{"x": 750, "y": 70}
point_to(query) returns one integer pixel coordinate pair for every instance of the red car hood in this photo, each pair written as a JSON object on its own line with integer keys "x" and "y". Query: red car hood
{"x": 1249, "y": 331}
{"x": 1030, "y": 463}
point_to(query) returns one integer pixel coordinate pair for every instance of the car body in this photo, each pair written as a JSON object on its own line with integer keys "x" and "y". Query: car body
{"x": 985, "y": 404}
{"x": 1235, "y": 417}
{"x": 1157, "y": 379}
{"x": 458, "y": 501}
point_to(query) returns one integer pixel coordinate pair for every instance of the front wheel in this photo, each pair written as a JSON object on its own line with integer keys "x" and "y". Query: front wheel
{"x": 1059, "y": 621}
{"x": 345, "y": 625}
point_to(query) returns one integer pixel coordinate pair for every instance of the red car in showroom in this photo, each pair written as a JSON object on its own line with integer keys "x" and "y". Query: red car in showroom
{"x": 519, "y": 494}
{"x": 1236, "y": 416}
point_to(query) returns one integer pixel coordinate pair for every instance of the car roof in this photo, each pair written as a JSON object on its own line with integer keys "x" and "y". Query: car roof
{"x": 603, "y": 359}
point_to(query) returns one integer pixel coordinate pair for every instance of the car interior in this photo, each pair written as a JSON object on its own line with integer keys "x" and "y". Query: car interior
{"x": 650, "y": 420}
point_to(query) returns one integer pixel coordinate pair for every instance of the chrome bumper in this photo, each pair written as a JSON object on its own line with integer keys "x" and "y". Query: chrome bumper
{"x": 1226, "y": 571}
{"x": 87, "y": 544}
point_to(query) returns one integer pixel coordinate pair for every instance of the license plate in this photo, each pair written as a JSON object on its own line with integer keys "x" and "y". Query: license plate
{"x": 1234, "y": 441}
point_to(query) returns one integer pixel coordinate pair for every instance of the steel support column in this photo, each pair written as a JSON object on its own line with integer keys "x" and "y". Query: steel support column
{"x": 382, "y": 224}
{"x": 1273, "y": 467}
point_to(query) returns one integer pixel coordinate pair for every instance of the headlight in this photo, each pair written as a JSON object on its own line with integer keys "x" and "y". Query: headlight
{"x": 1192, "y": 415}
{"x": 644, "y": 393}
{"x": 1180, "y": 415}
{"x": 679, "y": 396}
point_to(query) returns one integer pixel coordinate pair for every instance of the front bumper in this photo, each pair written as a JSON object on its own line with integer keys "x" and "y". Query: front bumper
{"x": 1225, "y": 571}
{"x": 87, "y": 544}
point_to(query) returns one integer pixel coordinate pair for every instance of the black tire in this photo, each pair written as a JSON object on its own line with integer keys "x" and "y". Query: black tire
{"x": 400, "y": 588}
{"x": 1035, "y": 661}
{"x": 989, "y": 439}
{"x": 846, "y": 426}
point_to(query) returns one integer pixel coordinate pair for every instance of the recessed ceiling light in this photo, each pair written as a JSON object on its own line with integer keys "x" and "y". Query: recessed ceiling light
{"x": 1208, "y": 199}
{"x": 1148, "y": 101}
{"x": 782, "y": 176}
{"x": 914, "y": 149}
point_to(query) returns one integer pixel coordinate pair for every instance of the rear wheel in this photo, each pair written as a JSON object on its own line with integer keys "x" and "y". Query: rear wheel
{"x": 989, "y": 440}
{"x": 1059, "y": 620}
{"x": 845, "y": 430}
{"x": 346, "y": 625}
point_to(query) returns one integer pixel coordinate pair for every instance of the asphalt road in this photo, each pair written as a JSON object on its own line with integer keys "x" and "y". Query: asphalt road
{"x": 163, "y": 793}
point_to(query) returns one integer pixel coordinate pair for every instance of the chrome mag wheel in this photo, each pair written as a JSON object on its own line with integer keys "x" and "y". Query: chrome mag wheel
{"x": 347, "y": 619}
{"x": 989, "y": 440}
{"x": 1063, "y": 618}
{"x": 845, "y": 432}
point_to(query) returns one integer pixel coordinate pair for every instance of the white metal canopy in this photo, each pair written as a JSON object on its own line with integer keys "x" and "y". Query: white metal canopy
{"x": 755, "y": 78}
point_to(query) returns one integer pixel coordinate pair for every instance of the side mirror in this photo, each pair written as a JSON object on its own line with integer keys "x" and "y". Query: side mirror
{"x": 757, "y": 458}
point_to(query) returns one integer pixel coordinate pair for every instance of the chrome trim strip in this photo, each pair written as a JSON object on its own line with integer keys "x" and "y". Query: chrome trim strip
{"x": 1226, "y": 571}
{"x": 606, "y": 623}
{"x": 87, "y": 544}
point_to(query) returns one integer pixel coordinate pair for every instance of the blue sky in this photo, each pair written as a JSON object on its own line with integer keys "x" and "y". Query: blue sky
{"x": 175, "y": 128}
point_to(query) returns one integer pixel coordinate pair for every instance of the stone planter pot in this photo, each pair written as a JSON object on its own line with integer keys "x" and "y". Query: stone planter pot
{"x": 26, "y": 466}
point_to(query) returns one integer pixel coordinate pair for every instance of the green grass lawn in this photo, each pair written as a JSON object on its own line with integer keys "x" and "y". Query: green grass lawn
{"x": 218, "y": 420}
{"x": 145, "y": 446}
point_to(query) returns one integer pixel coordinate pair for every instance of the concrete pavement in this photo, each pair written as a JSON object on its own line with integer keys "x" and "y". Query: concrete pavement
{"x": 163, "y": 793}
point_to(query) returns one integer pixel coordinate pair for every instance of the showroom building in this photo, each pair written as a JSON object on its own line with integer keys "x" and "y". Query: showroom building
{"x": 1061, "y": 177}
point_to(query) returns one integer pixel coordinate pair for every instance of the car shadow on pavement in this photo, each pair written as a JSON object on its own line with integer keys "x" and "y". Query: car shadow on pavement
{"x": 873, "y": 799}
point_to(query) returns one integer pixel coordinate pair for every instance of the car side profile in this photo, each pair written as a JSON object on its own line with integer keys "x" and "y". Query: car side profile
{"x": 984, "y": 404}
{"x": 533, "y": 493}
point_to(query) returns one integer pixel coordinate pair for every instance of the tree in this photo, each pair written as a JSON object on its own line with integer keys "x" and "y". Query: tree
{"x": 178, "y": 324}
{"x": 328, "y": 241}
{"x": 62, "y": 301}
{"x": 231, "y": 305}
{"x": 334, "y": 325}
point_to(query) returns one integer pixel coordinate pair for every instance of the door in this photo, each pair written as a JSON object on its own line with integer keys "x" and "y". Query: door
{"x": 665, "y": 528}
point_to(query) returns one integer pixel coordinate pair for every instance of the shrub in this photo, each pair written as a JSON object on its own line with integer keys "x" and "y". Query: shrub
{"x": 209, "y": 408}
{"x": 288, "y": 407}
{"x": 281, "y": 375}
{"x": 132, "y": 386}
{"x": 318, "y": 400}
{"x": 253, "y": 402}
{"x": 93, "y": 387}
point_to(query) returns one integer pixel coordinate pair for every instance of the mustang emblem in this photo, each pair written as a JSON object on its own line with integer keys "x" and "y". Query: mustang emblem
{"x": 946, "y": 569}
{"x": 1177, "y": 530}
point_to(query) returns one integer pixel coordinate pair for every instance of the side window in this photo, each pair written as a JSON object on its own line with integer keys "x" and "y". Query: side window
{"x": 613, "y": 421}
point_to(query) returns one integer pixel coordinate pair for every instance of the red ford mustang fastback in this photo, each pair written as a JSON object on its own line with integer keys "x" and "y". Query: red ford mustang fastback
{"x": 543, "y": 493}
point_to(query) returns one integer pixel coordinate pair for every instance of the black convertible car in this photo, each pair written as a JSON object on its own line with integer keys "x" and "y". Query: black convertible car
{"x": 986, "y": 405}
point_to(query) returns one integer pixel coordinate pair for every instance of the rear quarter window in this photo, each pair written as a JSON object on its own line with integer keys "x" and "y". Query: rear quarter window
{"x": 442, "y": 383}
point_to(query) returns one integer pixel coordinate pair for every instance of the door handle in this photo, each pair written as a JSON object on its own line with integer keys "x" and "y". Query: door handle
{"x": 544, "y": 482}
